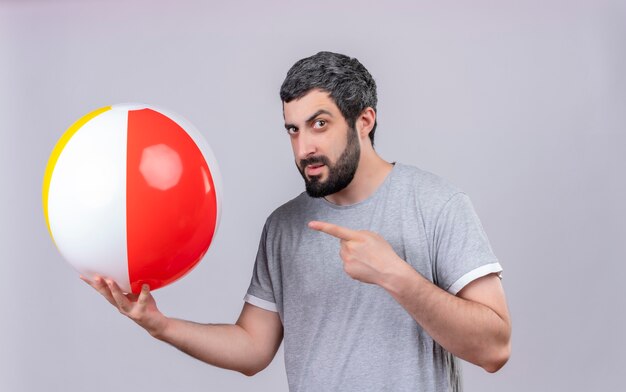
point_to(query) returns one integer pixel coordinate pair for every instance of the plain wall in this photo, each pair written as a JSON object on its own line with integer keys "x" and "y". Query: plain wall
{"x": 520, "y": 103}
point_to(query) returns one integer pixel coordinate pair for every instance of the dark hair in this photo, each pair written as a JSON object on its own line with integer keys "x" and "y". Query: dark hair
{"x": 347, "y": 81}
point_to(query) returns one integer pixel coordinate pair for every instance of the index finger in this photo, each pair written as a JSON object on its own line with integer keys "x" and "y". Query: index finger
{"x": 100, "y": 286}
{"x": 342, "y": 233}
{"x": 122, "y": 302}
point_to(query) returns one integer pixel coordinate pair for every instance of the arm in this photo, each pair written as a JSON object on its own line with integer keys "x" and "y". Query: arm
{"x": 247, "y": 346}
{"x": 474, "y": 325}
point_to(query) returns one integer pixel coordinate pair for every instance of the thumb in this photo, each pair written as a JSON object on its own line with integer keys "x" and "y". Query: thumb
{"x": 144, "y": 295}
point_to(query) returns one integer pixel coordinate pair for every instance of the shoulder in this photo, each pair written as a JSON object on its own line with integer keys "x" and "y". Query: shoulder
{"x": 293, "y": 210}
{"x": 428, "y": 188}
{"x": 430, "y": 195}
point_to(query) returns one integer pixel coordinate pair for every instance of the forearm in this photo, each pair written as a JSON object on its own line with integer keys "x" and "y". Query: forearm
{"x": 247, "y": 346}
{"x": 467, "y": 329}
{"x": 227, "y": 346}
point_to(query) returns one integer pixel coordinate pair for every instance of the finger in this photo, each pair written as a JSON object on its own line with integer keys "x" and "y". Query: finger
{"x": 120, "y": 299}
{"x": 144, "y": 295}
{"x": 100, "y": 286}
{"x": 342, "y": 233}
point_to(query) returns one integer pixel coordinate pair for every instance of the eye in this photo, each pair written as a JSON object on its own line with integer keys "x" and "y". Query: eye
{"x": 292, "y": 130}
{"x": 319, "y": 123}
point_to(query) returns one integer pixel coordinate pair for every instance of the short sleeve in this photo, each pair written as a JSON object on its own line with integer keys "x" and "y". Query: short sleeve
{"x": 260, "y": 292}
{"x": 462, "y": 250}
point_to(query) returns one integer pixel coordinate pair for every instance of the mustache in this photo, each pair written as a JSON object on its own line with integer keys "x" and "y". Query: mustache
{"x": 322, "y": 159}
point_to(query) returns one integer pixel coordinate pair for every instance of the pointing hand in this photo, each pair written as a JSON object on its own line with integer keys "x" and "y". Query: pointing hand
{"x": 366, "y": 256}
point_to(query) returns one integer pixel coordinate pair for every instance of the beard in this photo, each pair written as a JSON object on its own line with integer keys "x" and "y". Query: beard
{"x": 339, "y": 175}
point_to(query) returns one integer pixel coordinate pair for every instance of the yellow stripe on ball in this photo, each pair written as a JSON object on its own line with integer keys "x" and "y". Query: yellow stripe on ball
{"x": 56, "y": 152}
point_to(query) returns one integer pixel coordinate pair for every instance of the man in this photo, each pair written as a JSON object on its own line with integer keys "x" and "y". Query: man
{"x": 373, "y": 276}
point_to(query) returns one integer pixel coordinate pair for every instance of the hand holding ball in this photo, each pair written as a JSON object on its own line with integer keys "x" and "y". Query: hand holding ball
{"x": 132, "y": 193}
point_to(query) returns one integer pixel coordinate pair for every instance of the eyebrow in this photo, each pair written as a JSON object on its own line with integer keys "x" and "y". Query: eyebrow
{"x": 311, "y": 118}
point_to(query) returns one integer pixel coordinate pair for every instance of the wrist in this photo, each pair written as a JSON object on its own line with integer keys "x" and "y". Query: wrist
{"x": 160, "y": 328}
{"x": 400, "y": 278}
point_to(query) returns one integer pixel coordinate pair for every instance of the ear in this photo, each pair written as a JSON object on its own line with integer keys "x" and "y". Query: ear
{"x": 365, "y": 122}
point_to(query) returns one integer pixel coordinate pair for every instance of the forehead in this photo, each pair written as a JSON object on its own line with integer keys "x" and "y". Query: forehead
{"x": 298, "y": 110}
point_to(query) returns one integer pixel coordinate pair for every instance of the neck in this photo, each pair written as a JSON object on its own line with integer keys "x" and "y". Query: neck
{"x": 370, "y": 175}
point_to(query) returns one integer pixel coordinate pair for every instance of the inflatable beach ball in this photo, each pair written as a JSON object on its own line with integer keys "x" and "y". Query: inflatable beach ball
{"x": 132, "y": 193}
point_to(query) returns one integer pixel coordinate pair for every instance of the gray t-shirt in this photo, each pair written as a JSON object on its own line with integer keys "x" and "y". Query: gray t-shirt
{"x": 344, "y": 335}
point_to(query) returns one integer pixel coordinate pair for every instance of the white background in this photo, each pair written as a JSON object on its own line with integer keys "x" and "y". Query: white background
{"x": 520, "y": 103}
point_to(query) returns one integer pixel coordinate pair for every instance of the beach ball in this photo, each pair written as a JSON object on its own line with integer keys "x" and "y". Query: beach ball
{"x": 132, "y": 193}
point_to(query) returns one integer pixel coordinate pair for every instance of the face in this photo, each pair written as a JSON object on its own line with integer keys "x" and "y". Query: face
{"x": 325, "y": 148}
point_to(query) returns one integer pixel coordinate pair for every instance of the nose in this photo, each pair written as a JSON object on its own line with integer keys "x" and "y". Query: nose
{"x": 305, "y": 145}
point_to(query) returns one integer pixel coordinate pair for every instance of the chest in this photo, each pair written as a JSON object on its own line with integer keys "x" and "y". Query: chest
{"x": 312, "y": 268}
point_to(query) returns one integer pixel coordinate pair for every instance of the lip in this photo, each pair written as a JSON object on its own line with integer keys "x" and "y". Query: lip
{"x": 314, "y": 170}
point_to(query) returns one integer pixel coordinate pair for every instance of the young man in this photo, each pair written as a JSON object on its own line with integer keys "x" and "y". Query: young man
{"x": 374, "y": 276}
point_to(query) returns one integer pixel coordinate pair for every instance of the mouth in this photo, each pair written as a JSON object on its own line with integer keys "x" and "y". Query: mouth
{"x": 314, "y": 169}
